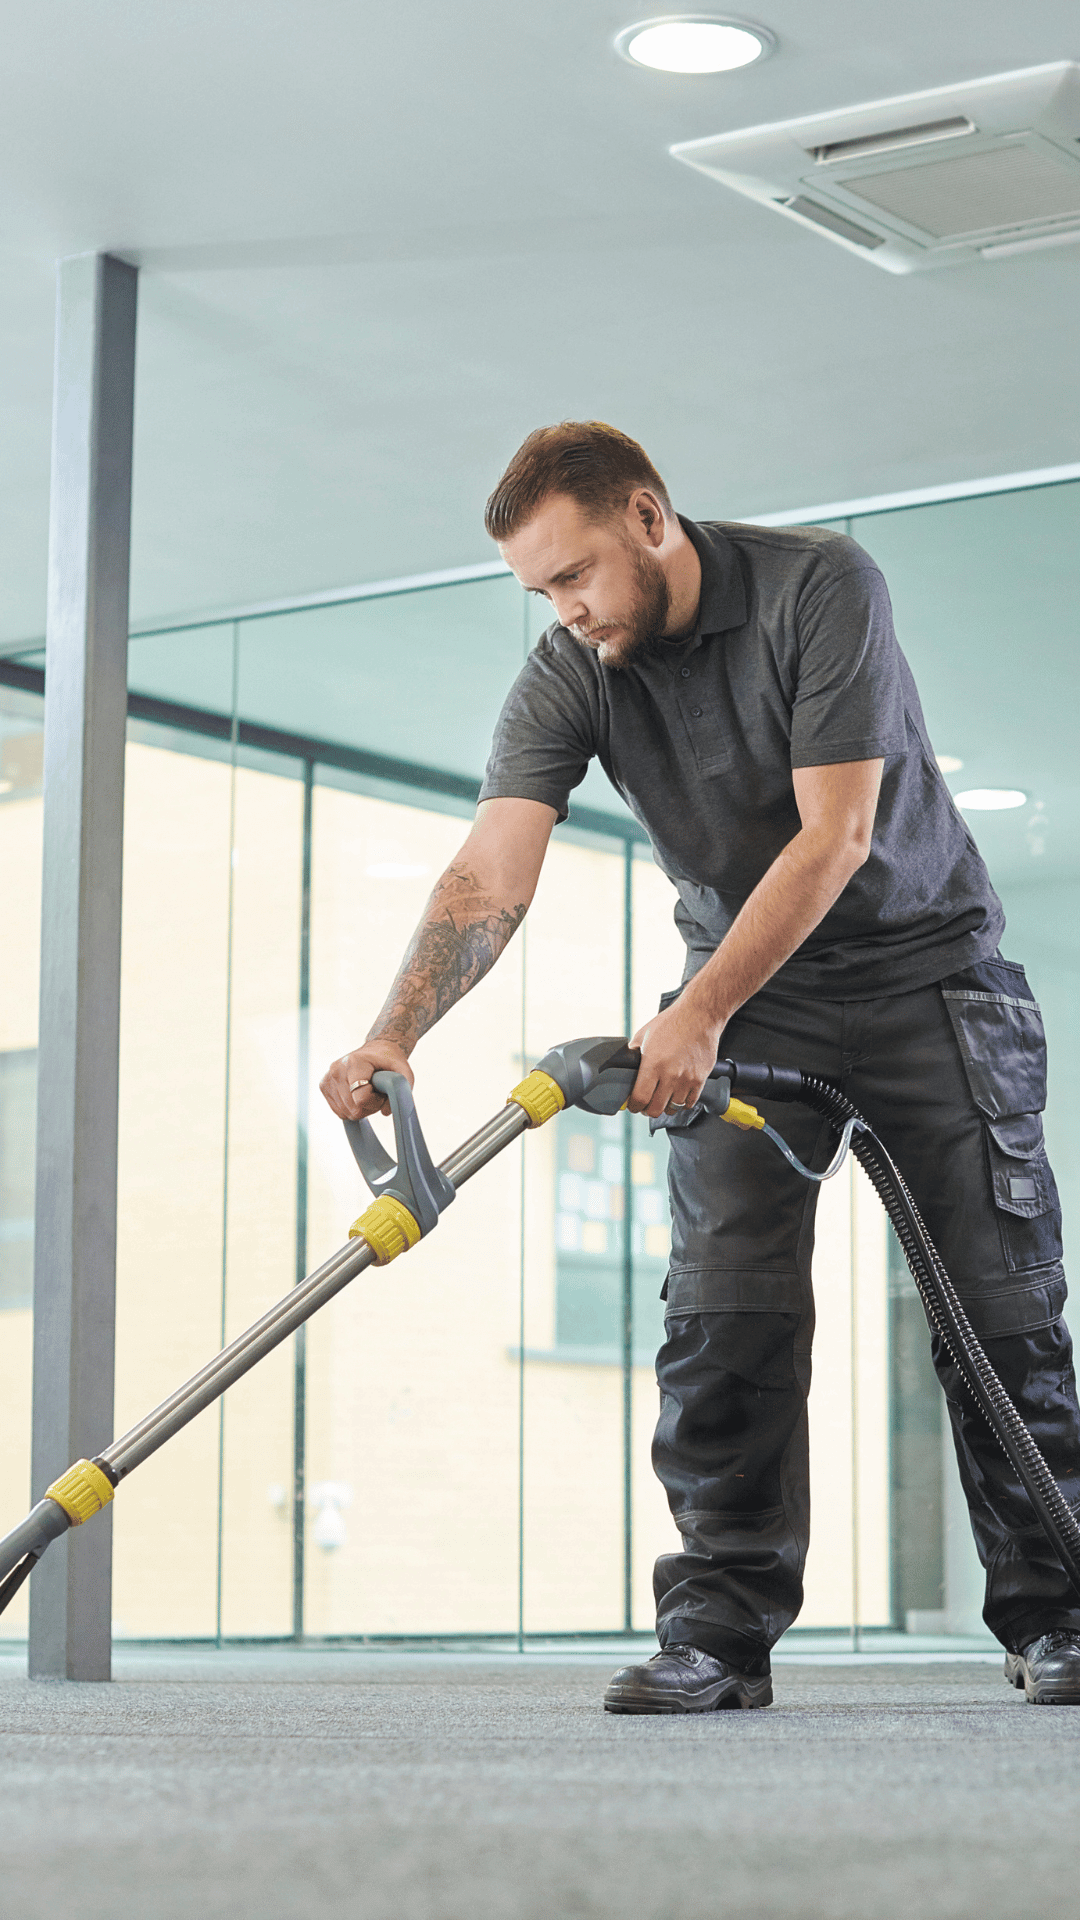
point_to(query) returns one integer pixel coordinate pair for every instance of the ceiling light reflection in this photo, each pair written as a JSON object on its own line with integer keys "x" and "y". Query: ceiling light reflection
{"x": 991, "y": 799}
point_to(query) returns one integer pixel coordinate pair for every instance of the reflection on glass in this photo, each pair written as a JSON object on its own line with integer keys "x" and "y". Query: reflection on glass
{"x": 190, "y": 668}
{"x": 590, "y": 1236}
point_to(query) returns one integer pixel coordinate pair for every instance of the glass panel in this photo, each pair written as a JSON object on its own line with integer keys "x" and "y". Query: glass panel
{"x": 573, "y": 1431}
{"x": 985, "y": 592}
{"x": 208, "y": 1133}
{"x": 174, "y": 1004}
{"x": 412, "y": 1375}
{"x": 260, "y": 1246}
{"x": 420, "y": 676}
{"x": 20, "y": 888}
{"x": 189, "y": 668}
{"x": 916, "y": 1459}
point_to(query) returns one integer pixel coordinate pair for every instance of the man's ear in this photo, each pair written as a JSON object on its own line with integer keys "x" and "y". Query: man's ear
{"x": 649, "y": 514}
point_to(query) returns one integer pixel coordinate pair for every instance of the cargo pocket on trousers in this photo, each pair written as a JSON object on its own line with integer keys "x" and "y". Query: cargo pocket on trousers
{"x": 1025, "y": 1191}
{"x": 1003, "y": 1048}
{"x": 1011, "y": 1311}
{"x": 1001, "y": 1041}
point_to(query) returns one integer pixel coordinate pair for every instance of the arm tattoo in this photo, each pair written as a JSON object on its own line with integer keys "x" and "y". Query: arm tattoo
{"x": 459, "y": 939}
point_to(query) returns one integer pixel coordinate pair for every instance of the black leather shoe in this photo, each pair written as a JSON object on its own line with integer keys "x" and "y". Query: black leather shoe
{"x": 685, "y": 1680}
{"x": 1048, "y": 1669}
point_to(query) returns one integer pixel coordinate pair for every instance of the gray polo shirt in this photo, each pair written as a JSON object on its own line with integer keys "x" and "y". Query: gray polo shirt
{"x": 793, "y": 663}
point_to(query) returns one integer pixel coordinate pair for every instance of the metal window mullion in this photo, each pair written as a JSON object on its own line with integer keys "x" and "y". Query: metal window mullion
{"x": 303, "y": 1071}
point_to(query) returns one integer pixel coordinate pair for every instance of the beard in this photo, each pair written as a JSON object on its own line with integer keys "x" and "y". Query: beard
{"x": 638, "y": 629}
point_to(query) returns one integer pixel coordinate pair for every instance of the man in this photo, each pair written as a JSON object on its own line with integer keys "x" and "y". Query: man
{"x": 743, "y": 690}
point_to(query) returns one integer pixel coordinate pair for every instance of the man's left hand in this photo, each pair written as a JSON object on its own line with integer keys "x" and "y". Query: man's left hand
{"x": 678, "y": 1053}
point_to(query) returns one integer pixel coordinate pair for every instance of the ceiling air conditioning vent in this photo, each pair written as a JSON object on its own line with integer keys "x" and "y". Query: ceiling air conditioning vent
{"x": 988, "y": 168}
{"x": 833, "y": 222}
{"x": 893, "y": 137}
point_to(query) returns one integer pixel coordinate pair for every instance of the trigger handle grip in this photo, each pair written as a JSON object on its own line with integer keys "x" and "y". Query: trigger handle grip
{"x": 412, "y": 1177}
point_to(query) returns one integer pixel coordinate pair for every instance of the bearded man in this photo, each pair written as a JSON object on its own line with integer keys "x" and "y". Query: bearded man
{"x": 744, "y": 692}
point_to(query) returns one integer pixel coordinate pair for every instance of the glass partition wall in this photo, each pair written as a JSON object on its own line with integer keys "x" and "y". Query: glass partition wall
{"x": 459, "y": 1445}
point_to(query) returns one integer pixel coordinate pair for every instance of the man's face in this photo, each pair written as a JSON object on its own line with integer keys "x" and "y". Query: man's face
{"x": 602, "y": 578}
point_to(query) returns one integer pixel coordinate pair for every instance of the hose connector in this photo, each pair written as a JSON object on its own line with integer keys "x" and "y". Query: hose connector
{"x": 539, "y": 1096}
{"x": 761, "y": 1078}
{"x": 742, "y": 1115}
{"x": 388, "y": 1227}
{"x": 82, "y": 1491}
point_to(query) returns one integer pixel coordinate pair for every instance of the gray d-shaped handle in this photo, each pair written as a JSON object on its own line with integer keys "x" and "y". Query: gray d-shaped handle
{"x": 412, "y": 1178}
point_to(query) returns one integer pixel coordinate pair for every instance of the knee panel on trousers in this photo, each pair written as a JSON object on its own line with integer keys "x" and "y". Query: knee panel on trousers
{"x": 732, "y": 1393}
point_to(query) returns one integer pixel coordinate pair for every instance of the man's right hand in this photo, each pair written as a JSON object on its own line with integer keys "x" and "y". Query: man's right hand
{"x": 346, "y": 1084}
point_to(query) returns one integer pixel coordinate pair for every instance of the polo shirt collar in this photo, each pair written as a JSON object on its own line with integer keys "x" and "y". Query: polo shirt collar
{"x": 723, "y": 593}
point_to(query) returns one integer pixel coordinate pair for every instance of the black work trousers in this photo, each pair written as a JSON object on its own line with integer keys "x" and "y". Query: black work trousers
{"x": 953, "y": 1079}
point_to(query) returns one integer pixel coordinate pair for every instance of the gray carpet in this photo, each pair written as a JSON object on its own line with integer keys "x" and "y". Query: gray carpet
{"x": 282, "y": 1785}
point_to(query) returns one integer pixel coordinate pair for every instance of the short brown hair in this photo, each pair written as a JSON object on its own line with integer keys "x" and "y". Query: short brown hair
{"x": 593, "y": 463}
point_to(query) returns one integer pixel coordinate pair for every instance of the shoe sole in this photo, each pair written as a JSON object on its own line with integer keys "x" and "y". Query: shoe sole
{"x": 734, "y": 1692}
{"x": 1018, "y": 1675}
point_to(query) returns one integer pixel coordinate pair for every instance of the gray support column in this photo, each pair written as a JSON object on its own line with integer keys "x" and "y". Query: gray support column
{"x": 85, "y": 713}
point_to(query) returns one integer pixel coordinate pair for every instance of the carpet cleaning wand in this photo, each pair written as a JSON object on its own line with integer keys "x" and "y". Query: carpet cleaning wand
{"x": 411, "y": 1193}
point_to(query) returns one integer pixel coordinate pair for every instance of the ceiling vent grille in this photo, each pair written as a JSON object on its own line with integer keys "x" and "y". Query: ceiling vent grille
{"x": 892, "y": 138}
{"x": 981, "y": 170}
{"x": 833, "y": 222}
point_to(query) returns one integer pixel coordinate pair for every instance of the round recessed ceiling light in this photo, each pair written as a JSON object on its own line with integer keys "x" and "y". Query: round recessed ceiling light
{"x": 693, "y": 43}
{"x": 948, "y": 762}
{"x": 991, "y": 799}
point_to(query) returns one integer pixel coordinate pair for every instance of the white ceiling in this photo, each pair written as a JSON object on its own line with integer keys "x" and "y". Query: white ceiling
{"x": 382, "y": 242}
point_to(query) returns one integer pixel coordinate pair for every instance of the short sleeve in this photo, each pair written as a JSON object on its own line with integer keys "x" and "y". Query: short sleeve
{"x": 849, "y": 699}
{"x": 546, "y": 733}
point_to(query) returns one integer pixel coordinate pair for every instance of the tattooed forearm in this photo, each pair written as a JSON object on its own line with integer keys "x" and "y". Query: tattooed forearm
{"x": 459, "y": 939}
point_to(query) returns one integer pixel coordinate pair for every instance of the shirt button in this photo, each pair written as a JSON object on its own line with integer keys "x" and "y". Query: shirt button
{"x": 696, "y": 711}
{"x": 685, "y": 671}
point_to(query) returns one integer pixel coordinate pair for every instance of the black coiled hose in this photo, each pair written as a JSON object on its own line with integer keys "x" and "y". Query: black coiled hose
{"x": 948, "y": 1319}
